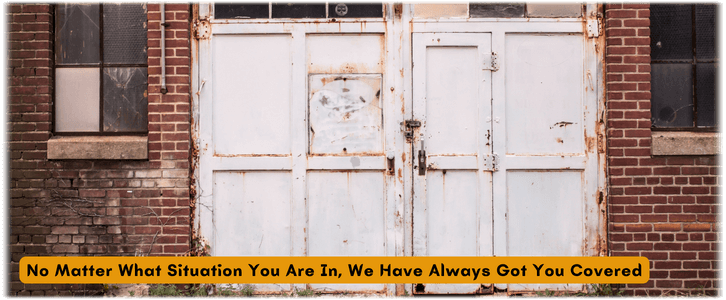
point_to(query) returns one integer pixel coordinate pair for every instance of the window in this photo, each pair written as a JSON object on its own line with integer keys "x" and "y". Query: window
{"x": 683, "y": 66}
{"x": 276, "y": 10}
{"x": 100, "y": 68}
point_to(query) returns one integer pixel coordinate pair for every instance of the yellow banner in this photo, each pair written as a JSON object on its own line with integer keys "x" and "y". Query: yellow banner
{"x": 332, "y": 270}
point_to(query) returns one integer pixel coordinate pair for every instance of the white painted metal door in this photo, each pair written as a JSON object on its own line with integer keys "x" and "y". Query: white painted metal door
{"x": 546, "y": 183}
{"x": 452, "y": 190}
{"x": 298, "y": 142}
{"x": 511, "y": 147}
{"x": 299, "y": 126}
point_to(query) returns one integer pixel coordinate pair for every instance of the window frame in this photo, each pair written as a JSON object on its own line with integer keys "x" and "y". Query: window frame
{"x": 694, "y": 60}
{"x": 271, "y": 19}
{"x": 100, "y": 66}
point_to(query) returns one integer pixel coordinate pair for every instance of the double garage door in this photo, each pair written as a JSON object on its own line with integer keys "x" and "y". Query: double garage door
{"x": 394, "y": 137}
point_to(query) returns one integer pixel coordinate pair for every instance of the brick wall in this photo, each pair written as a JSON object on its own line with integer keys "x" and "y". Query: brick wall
{"x": 95, "y": 207}
{"x": 661, "y": 207}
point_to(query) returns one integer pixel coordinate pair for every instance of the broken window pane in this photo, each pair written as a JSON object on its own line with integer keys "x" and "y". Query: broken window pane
{"x": 76, "y": 99}
{"x": 705, "y": 31}
{"x": 497, "y": 10}
{"x": 671, "y": 32}
{"x": 706, "y": 94}
{"x": 298, "y": 10}
{"x": 355, "y": 10}
{"x": 242, "y": 11}
{"x": 672, "y": 92}
{"x": 124, "y": 33}
{"x": 124, "y": 100}
{"x": 77, "y": 34}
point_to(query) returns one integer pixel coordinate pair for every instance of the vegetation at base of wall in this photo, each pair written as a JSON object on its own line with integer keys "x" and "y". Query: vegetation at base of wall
{"x": 164, "y": 290}
{"x": 604, "y": 290}
{"x": 599, "y": 291}
{"x": 201, "y": 290}
{"x": 299, "y": 294}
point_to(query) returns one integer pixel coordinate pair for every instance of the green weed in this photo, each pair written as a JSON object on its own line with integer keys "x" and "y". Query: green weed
{"x": 163, "y": 290}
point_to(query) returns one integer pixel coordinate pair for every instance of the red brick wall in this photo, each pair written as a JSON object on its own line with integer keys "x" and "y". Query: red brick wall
{"x": 661, "y": 207}
{"x": 95, "y": 207}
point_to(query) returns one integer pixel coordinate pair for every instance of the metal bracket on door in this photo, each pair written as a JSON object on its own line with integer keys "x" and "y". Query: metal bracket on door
{"x": 495, "y": 162}
{"x": 410, "y": 125}
{"x": 492, "y": 64}
{"x": 422, "y": 159}
{"x": 492, "y": 162}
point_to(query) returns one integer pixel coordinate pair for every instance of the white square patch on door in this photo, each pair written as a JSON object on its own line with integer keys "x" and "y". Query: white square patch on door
{"x": 345, "y": 114}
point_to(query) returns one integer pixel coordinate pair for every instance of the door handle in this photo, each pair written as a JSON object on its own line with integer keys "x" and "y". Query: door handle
{"x": 422, "y": 159}
{"x": 391, "y": 163}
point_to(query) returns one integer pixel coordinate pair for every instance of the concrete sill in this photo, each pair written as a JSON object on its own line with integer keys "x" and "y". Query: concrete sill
{"x": 98, "y": 147}
{"x": 685, "y": 143}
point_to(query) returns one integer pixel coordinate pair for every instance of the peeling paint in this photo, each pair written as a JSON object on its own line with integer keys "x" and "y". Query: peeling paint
{"x": 345, "y": 114}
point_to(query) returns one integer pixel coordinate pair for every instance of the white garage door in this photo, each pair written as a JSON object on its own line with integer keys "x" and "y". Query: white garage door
{"x": 392, "y": 137}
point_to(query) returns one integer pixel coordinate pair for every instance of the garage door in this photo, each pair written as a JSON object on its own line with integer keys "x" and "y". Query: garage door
{"x": 386, "y": 136}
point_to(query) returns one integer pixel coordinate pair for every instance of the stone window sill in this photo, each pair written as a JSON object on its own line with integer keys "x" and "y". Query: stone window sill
{"x": 685, "y": 143}
{"x": 98, "y": 147}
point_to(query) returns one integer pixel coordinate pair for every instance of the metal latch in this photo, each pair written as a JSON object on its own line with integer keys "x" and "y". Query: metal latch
{"x": 422, "y": 159}
{"x": 493, "y": 63}
{"x": 410, "y": 124}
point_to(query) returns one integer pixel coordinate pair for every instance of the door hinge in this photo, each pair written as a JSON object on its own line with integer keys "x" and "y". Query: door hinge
{"x": 492, "y": 64}
{"x": 593, "y": 27}
{"x": 202, "y": 29}
{"x": 492, "y": 162}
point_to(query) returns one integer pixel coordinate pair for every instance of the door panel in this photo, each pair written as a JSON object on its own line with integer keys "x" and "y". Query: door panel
{"x": 252, "y": 109}
{"x": 450, "y": 195}
{"x": 345, "y": 53}
{"x": 452, "y": 99}
{"x": 545, "y": 118}
{"x": 253, "y": 201}
{"x": 543, "y": 211}
{"x": 345, "y": 114}
{"x": 546, "y": 174}
{"x": 347, "y": 218}
{"x": 297, "y": 144}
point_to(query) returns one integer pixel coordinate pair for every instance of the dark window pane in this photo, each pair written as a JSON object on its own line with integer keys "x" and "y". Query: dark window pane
{"x": 671, "y": 31}
{"x": 672, "y": 92}
{"x": 355, "y": 10}
{"x": 497, "y": 10}
{"x": 124, "y": 33}
{"x": 242, "y": 11}
{"x": 77, "y": 34}
{"x": 298, "y": 10}
{"x": 706, "y": 94}
{"x": 705, "y": 31}
{"x": 125, "y": 102}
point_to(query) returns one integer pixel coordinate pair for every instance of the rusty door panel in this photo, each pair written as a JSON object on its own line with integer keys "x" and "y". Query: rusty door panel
{"x": 452, "y": 194}
{"x": 316, "y": 111}
{"x": 308, "y": 112}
